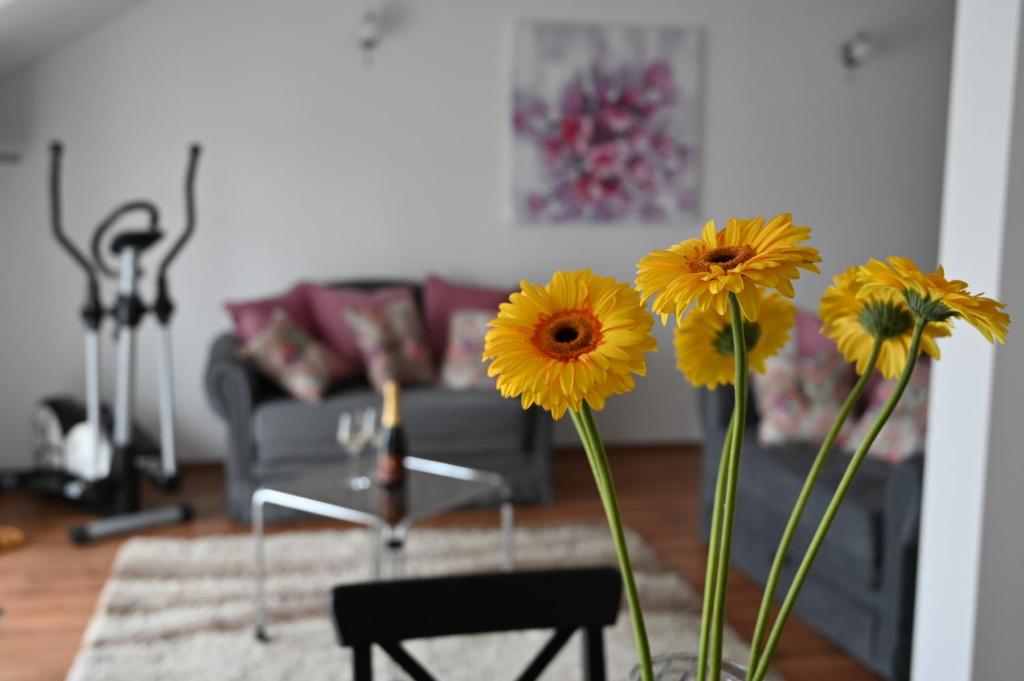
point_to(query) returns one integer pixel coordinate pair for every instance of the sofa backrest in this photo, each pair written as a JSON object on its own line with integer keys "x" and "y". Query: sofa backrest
{"x": 374, "y": 284}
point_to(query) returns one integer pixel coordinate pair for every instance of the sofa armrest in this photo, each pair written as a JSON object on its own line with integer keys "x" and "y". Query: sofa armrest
{"x": 233, "y": 384}
{"x": 902, "y": 514}
{"x": 716, "y": 408}
{"x": 539, "y": 445}
{"x": 541, "y": 432}
{"x": 899, "y": 571}
{"x": 234, "y": 388}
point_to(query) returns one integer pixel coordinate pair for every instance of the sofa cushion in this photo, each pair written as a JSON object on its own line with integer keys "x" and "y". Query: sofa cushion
{"x": 328, "y": 307}
{"x": 438, "y": 422}
{"x": 799, "y": 398}
{"x": 293, "y": 358}
{"x": 904, "y": 433}
{"x": 250, "y": 317}
{"x": 442, "y": 298}
{"x": 809, "y": 340}
{"x": 771, "y": 479}
{"x": 393, "y": 343}
{"x": 464, "y": 368}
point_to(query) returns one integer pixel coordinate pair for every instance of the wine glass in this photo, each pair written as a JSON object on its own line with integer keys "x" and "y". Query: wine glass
{"x": 356, "y": 429}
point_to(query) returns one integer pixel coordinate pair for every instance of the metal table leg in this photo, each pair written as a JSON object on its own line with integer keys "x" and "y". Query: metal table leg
{"x": 392, "y": 545}
{"x": 388, "y": 550}
{"x": 508, "y": 531}
{"x": 259, "y": 569}
{"x": 394, "y": 552}
{"x": 376, "y": 549}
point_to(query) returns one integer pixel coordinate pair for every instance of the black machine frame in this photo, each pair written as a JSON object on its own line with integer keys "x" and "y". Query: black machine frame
{"x": 124, "y": 451}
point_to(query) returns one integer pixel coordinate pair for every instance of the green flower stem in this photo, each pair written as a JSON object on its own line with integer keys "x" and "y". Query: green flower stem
{"x": 596, "y": 455}
{"x": 805, "y": 494}
{"x": 739, "y": 424}
{"x": 709, "y": 579}
{"x": 833, "y": 507}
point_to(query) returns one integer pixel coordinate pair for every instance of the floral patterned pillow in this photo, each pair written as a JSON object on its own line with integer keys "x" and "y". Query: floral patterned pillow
{"x": 464, "y": 368}
{"x": 904, "y": 433}
{"x": 292, "y": 358}
{"x": 799, "y": 397}
{"x": 392, "y": 342}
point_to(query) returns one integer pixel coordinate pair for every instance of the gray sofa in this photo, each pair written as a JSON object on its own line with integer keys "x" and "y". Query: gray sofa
{"x": 271, "y": 435}
{"x": 860, "y": 591}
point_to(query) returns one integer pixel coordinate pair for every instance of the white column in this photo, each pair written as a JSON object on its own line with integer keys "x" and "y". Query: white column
{"x": 956, "y": 627}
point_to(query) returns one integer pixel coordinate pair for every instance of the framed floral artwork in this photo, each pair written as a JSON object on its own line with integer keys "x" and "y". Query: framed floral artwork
{"x": 605, "y": 123}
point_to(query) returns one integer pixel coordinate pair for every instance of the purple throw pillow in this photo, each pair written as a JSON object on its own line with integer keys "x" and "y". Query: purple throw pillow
{"x": 442, "y": 298}
{"x": 809, "y": 340}
{"x": 329, "y": 308}
{"x": 252, "y": 317}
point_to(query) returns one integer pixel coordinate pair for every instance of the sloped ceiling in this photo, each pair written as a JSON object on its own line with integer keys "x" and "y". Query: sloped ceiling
{"x": 31, "y": 28}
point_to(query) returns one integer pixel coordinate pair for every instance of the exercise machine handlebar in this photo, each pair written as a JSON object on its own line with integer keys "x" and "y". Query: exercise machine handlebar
{"x": 194, "y": 152}
{"x": 92, "y": 310}
{"x": 56, "y": 158}
{"x": 163, "y": 306}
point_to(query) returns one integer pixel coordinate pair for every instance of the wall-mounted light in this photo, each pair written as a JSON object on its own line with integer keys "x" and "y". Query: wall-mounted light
{"x": 379, "y": 18}
{"x": 368, "y": 33}
{"x": 856, "y": 49}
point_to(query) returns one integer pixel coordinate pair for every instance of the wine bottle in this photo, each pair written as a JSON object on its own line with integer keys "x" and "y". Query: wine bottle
{"x": 391, "y": 456}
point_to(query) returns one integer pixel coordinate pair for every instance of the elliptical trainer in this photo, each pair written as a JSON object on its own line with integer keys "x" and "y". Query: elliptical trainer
{"x": 85, "y": 453}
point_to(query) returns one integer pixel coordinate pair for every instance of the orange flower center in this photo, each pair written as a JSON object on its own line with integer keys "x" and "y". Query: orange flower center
{"x": 568, "y": 334}
{"x": 726, "y": 257}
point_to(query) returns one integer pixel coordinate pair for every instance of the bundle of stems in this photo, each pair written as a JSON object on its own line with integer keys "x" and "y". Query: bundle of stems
{"x": 762, "y": 648}
{"x": 586, "y": 428}
{"x": 573, "y": 343}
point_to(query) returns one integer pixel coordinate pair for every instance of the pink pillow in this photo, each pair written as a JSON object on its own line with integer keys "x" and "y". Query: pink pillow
{"x": 441, "y": 298}
{"x": 292, "y": 358}
{"x": 329, "y": 306}
{"x": 253, "y": 316}
{"x": 809, "y": 340}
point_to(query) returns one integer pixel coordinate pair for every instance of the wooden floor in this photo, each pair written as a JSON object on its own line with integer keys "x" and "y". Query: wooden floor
{"x": 49, "y": 588}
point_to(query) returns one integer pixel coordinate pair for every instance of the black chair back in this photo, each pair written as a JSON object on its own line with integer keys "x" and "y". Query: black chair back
{"x": 387, "y": 613}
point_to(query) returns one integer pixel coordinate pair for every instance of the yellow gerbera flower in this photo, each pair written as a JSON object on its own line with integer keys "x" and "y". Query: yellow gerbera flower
{"x": 703, "y": 340}
{"x": 853, "y": 317}
{"x": 580, "y": 337}
{"x": 746, "y": 255}
{"x": 932, "y": 296}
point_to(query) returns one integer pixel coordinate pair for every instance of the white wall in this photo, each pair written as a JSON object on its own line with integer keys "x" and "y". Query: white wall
{"x": 970, "y": 597}
{"x": 317, "y": 166}
{"x": 1000, "y": 618}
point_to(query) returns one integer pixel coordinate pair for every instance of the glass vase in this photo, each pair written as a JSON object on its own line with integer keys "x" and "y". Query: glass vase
{"x": 683, "y": 667}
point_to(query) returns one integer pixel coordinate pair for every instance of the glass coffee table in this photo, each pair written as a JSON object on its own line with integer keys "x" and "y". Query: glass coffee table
{"x": 346, "y": 492}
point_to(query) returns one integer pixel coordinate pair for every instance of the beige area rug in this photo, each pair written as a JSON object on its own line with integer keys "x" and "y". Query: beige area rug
{"x": 182, "y": 608}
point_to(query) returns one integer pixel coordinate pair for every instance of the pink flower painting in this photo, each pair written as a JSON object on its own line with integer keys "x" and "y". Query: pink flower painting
{"x": 604, "y": 123}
